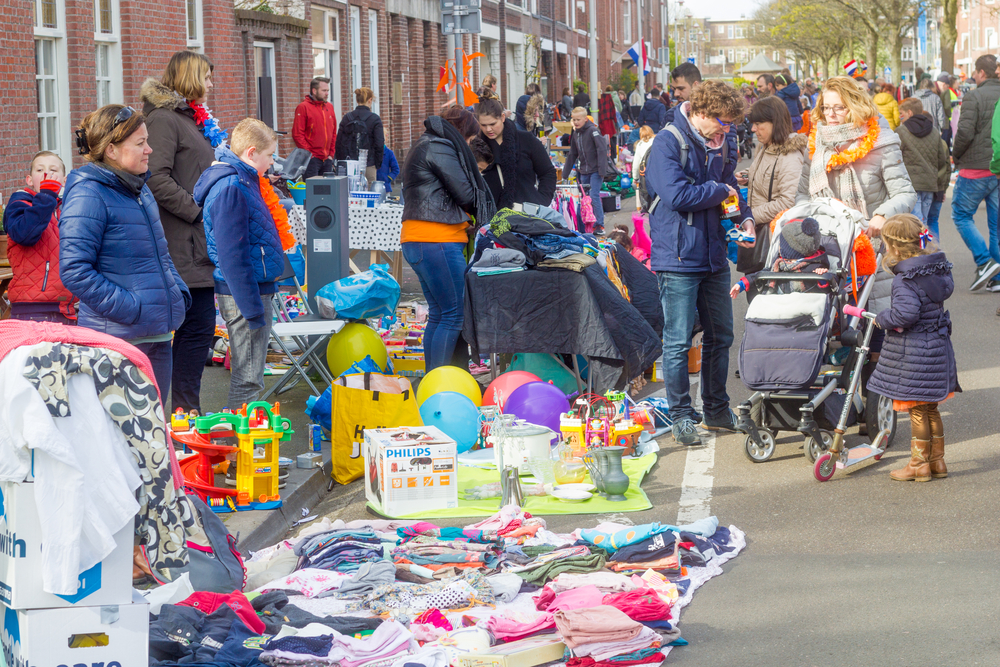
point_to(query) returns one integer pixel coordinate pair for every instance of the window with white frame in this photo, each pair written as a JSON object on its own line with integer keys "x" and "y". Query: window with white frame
{"x": 373, "y": 54}
{"x": 740, "y": 32}
{"x": 975, "y": 34}
{"x": 741, "y": 56}
{"x": 267, "y": 94}
{"x": 991, "y": 38}
{"x": 52, "y": 77}
{"x": 776, "y": 56}
{"x": 355, "y": 27}
{"x": 731, "y": 56}
{"x": 107, "y": 52}
{"x": 907, "y": 53}
{"x": 722, "y": 30}
{"x": 194, "y": 18}
{"x": 627, "y": 22}
{"x": 965, "y": 5}
{"x": 729, "y": 32}
{"x": 326, "y": 51}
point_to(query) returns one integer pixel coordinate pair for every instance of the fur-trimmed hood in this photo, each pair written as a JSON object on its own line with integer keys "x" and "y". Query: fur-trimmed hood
{"x": 793, "y": 144}
{"x": 155, "y": 95}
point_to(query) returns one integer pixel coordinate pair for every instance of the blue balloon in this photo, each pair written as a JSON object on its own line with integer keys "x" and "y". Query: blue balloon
{"x": 455, "y": 414}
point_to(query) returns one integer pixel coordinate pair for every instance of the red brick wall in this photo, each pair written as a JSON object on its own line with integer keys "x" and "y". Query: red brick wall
{"x": 18, "y": 127}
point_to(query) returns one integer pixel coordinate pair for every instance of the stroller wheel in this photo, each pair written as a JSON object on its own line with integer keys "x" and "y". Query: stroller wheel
{"x": 879, "y": 416}
{"x": 763, "y": 451}
{"x": 815, "y": 449}
{"x": 825, "y": 467}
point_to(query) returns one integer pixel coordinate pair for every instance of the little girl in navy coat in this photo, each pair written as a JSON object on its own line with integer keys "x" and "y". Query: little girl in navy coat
{"x": 917, "y": 365}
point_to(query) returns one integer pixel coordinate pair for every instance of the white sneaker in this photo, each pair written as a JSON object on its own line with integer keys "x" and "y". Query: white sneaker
{"x": 984, "y": 273}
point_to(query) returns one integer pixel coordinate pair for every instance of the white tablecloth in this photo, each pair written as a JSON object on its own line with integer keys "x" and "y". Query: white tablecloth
{"x": 367, "y": 228}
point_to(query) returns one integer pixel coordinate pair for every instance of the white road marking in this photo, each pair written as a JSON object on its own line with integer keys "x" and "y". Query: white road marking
{"x": 696, "y": 488}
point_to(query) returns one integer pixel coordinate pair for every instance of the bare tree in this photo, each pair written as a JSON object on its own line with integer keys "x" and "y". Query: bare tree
{"x": 949, "y": 35}
{"x": 815, "y": 31}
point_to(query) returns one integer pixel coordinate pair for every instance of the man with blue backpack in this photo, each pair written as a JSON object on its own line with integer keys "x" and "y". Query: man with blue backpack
{"x": 691, "y": 173}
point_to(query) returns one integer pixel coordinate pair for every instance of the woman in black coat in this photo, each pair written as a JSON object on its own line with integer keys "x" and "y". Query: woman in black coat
{"x": 361, "y": 129}
{"x": 521, "y": 170}
{"x": 442, "y": 188}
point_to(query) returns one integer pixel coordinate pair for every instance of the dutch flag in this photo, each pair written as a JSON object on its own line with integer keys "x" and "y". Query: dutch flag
{"x": 633, "y": 53}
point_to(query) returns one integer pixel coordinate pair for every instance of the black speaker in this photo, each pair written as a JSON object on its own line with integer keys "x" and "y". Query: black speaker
{"x": 327, "y": 252}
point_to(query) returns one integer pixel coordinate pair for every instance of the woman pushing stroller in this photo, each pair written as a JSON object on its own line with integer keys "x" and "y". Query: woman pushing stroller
{"x": 917, "y": 366}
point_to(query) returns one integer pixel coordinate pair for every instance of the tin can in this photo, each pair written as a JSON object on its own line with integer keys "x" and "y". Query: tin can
{"x": 315, "y": 437}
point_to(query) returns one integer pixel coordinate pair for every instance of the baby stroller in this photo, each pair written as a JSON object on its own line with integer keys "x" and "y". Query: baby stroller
{"x": 804, "y": 358}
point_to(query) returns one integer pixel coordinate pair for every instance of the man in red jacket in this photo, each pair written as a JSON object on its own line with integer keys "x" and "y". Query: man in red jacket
{"x": 315, "y": 127}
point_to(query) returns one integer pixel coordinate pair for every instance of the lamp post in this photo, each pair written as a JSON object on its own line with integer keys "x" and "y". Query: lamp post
{"x": 592, "y": 47}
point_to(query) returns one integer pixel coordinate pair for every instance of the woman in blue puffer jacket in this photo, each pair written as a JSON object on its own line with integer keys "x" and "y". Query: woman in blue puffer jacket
{"x": 786, "y": 88}
{"x": 112, "y": 252}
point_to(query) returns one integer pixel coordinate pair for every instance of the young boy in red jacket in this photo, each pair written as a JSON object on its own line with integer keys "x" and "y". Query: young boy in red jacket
{"x": 31, "y": 221}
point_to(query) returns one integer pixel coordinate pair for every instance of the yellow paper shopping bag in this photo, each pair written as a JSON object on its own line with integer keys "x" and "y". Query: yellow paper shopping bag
{"x": 361, "y": 401}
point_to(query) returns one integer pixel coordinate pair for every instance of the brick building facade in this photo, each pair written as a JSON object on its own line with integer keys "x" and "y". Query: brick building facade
{"x": 65, "y": 58}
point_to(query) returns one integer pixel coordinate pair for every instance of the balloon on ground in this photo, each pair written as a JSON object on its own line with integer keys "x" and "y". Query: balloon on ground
{"x": 506, "y": 384}
{"x": 538, "y": 403}
{"x": 455, "y": 415}
{"x": 449, "y": 378}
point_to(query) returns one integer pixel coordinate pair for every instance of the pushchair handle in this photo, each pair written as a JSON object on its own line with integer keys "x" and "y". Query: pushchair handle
{"x": 854, "y": 311}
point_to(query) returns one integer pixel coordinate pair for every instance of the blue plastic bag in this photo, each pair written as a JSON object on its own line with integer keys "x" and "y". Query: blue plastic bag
{"x": 319, "y": 409}
{"x": 372, "y": 293}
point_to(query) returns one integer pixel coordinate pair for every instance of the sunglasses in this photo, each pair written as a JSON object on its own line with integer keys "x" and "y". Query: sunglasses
{"x": 123, "y": 115}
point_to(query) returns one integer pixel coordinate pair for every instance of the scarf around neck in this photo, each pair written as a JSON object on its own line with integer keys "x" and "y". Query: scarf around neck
{"x": 829, "y": 164}
{"x": 484, "y": 206}
{"x": 131, "y": 181}
{"x": 506, "y": 159}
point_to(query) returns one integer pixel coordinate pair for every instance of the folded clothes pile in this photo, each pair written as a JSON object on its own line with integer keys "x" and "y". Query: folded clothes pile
{"x": 603, "y": 632}
{"x": 341, "y": 550}
{"x": 318, "y": 645}
{"x": 434, "y": 553}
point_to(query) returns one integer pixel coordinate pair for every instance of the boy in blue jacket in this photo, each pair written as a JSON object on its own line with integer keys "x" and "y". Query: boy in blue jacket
{"x": 243, "y": 242}
{"x": 389, "y": 169}
{"x": 689, "y": 248}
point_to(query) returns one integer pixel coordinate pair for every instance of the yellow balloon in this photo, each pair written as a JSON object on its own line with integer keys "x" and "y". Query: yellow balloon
{"x": 352, "y": 344}
{"x": 449, "y": 378}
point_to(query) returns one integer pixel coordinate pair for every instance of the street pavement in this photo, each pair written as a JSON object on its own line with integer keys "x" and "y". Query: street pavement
{"x": 860, "y": 570}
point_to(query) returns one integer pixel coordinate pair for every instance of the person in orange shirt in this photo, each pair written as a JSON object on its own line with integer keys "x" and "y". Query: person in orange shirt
{"x": 443, "y": 192}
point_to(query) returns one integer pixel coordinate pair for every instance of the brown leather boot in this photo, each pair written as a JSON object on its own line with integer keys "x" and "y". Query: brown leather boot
{"x": 918, "y": 469}
{"x": 938, "y": 468}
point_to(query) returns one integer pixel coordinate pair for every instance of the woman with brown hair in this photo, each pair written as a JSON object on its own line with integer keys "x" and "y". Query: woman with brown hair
{"x": 112, "y": 249}
{"x": 442, "y": 190}
{"x": 183, "y": 135}
{"x": 360, "y": 130}
{"x": 521, "y": 170}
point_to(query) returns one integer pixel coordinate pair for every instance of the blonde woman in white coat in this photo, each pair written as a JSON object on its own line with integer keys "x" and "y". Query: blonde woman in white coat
{"x": 646, "y": 136}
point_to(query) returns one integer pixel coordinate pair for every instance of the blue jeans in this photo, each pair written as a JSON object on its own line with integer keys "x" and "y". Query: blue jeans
{"x": 162, "y": 360}
{"x": 685, "y": 295}
{"x": 923, "y": 207}
{"x": 596, "y": 182}
{"x": 247, "y": 351}
{"x": 440, "y": 267}
{"x": 192, "y": 342}
{"x": 933, "y": 214}
{"x": 965, "y": 200}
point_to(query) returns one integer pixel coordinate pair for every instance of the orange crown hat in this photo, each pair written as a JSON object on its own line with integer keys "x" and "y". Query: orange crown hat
{"x": 856, "y": 69}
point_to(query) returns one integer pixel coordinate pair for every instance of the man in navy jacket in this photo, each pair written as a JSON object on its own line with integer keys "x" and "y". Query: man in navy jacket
{"x": 689, "y": 249}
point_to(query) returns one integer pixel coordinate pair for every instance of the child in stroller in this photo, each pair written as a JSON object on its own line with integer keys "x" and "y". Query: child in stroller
{"x": 799, "y": 251}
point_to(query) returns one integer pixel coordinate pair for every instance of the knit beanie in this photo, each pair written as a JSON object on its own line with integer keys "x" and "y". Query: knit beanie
{"x": 799, "y": 239}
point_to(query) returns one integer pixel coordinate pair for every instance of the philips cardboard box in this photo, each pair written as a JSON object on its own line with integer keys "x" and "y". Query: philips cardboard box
{"x": 104, "y": 635}
{"x": 410, "y": 469}
{"x": 108, "y": 582}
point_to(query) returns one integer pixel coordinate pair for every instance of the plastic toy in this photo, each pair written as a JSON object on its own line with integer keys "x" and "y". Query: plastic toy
{"x": 352, "y": 344}
{"x": 506, "y": 384}
{"x": 538, "y": 403}
{"x": 258, "y": 430}
{"x": 449, "y": 378}
{"x": 456, "y": 415}
{"x": 613, "y": 420}
{"x": 180, "y": 421}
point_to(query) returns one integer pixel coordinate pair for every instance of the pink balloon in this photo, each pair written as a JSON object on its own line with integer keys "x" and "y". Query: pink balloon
{"x": 506, "y": 384}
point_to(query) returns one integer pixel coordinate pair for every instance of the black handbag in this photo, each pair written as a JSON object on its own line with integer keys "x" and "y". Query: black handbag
{"x": 752, "y": 260}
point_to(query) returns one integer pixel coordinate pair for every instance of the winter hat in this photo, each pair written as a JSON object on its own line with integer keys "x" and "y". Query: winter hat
{"x": 799, "y": 239}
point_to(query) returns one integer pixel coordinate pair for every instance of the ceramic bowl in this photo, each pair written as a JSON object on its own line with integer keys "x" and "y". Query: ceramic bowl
{"x": 579, "y": 486}
{"x": 571, "y": 495}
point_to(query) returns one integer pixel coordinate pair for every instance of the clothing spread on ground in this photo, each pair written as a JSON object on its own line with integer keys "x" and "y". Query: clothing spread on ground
{"x": 414, "y": 594}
